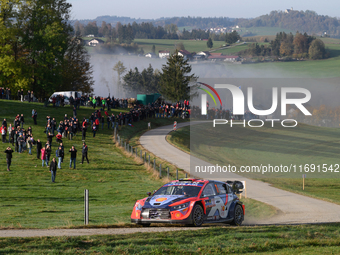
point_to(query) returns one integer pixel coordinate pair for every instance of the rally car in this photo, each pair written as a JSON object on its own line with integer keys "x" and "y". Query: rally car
{"x": 192, "y": 202}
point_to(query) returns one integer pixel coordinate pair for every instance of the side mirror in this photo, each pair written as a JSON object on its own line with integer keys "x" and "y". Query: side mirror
{"x": 149, "y": 193}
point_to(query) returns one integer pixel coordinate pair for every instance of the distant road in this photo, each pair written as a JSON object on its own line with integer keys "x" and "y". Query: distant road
{"x": 293, "y": 208}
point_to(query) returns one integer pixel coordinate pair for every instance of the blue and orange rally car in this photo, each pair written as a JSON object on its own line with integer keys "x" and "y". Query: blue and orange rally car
{"x": 193, "y": 202}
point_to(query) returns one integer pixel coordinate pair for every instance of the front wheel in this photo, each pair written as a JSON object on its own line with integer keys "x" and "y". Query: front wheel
{"x": 238, "y": 216}
{"x": 197, "y": 215}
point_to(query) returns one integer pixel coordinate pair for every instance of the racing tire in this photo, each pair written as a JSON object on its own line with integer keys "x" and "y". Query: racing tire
{"x": 197, "y": 215}
{"x": 238, "y": 216}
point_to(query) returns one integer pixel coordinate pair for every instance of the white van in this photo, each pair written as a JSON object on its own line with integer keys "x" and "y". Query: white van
{"x": 67, "y": 95}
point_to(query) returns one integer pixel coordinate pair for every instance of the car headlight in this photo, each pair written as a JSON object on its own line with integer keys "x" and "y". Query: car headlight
{"x": 178, "y": 207}
{"x": 138, "y": 206}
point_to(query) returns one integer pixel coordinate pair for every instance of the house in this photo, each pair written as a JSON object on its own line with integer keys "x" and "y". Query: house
{"x": 150, "y": 55}
{"x": 185, "y": 54}
{"x": 90, "y": 36}
{"x": 288, "y": 10}
{"x": 220, "y": 57}
{"x": 203, "y": 54}
{"x": 164, "y": 54}
{"x": 232, "y": 58}
{"x": 198, "y": 57}
{"x": 95, "y": 42}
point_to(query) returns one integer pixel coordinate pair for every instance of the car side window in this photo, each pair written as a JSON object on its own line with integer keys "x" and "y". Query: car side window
{"x": 222, "y": 188}
{"x": 209, "y": 190}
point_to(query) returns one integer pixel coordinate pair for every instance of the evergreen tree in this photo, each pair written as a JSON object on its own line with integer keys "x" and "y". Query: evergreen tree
{"x": 210, "y": 43}
{"x": 175, "y": 79}
{"x": 77, "y": 71}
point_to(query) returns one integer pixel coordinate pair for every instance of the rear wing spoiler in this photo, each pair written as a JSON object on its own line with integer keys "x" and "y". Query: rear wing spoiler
{"x": 236, "y": 186}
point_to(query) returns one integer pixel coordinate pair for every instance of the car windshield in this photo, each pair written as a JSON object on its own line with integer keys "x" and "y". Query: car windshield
{"x": 187, "y": 190}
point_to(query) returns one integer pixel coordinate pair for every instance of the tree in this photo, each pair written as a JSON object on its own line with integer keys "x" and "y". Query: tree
{"x": 120, "y": 69}
{"x": 153, "y": 49}
{"x": 36, "y": 48}
{"x": 12, "y": 55}
{"x": 232, "y": 37}
{"x": 317, "y": 49}
{"x": 91, "y": 28}
{"x": 180, "y": 46}
{"x": 175, "y": 79}
{"x": 144, "y": 82}
{"x": 44, "y": 36}
{"x": 77, "y": 71}
{"x": 210, "y": 43}
{"x": 286, "y": 49}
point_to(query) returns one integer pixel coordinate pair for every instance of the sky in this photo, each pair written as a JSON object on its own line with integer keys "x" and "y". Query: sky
{"x": 153, "y": 9}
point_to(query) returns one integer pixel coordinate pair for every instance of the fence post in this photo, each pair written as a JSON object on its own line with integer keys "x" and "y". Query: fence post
{"x": 154, "y": 164}
{"x": 176, "y": 174}
{"x": 86, "y": 212}
{"x": 160, "y": 170}
{"x": 186, "y": 175}
{"x": 149, "y": 160}
{"x": 168, "y": 172}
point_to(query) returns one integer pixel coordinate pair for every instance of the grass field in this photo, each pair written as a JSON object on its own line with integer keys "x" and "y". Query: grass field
{"x": 300, "y": 239}
{"x": 165, "y": 44}
{"x": 260, "y": 31}
{"x": 29, "y": 199}
{"x": 240, "y": 146}
{"x": 115, "y": 181}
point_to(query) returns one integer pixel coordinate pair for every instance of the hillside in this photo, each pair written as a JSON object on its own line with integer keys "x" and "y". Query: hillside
{"x": 302, "y": 21}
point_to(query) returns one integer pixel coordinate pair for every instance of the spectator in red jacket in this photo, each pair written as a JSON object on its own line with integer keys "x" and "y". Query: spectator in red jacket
{"x": 3, "y": 131}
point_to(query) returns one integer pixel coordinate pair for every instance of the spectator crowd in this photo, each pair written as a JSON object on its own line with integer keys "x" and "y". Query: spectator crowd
{"x": 51, "y": 155}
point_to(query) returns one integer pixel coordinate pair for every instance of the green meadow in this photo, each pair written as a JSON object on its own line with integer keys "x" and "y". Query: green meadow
{"x": 299, "y": 239}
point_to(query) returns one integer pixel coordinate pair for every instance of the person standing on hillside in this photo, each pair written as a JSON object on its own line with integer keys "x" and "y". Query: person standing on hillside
{"x": 48, "y": 153}
{"x": 34, "y": 116}
{"x": 3, "y": 131}
{"x": 84, "y": 154}
{"x": 53, "y": 169}
{"x": 9, "y": 152}
{"x": 43, "y": 156}
{"x": 84, "y": 128}
{"x": 73, "y": 152}
{"x": 21, "y": 141}
{"x": 39, "y": 147}
{"x": 60, "y": 153}
{"x": 22, "y": 120}
{"x": 94, "y": 129}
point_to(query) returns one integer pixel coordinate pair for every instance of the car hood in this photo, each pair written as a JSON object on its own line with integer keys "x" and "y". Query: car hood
{"x": 161, "y": 201}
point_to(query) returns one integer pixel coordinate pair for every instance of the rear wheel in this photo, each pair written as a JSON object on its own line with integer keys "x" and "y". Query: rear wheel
{"x": 238, "y": 216}
{"x": 197, "y": 215}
